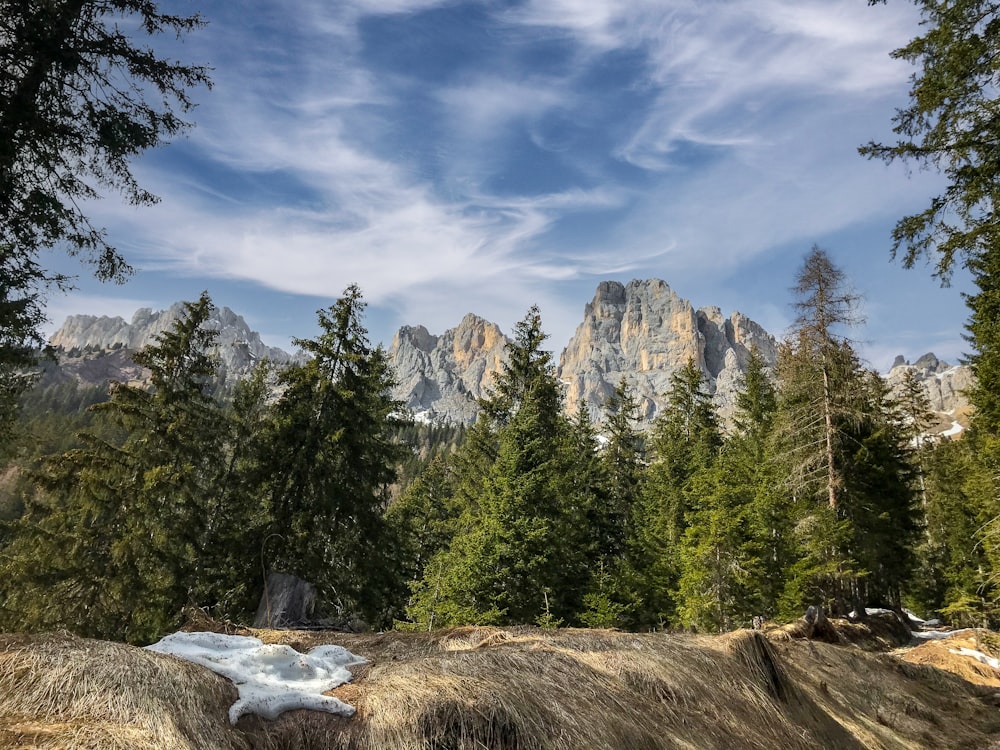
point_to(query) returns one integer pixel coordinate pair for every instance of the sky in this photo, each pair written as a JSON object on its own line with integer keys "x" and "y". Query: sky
{"x": 484, "y": 156}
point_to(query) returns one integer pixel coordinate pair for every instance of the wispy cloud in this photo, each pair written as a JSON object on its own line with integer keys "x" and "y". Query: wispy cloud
{"x": 363, "y": 141}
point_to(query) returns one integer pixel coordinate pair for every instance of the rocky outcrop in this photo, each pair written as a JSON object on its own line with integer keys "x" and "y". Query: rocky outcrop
{"x": 945, "y": 386}
{"x": 441, "y": 377}
{"x": 96, "y": 349}
{"x": 643, "y": 331}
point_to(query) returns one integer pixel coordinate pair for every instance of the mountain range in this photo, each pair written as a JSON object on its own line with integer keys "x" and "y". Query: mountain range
{"x": 641, "y": 332}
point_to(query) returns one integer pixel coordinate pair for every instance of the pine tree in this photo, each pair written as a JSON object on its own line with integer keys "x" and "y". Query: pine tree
{"x": 717, "y": 560}
{"x": 238, "y": 518}
{"x": 623, "y": 457}
{"x": 819, "y": 361}
{"x": 685, "y": 438}
{"x": 914, "y": 408}
{"x": 844, "y": 441}
{"x": 684, "y": 442}
{"x": 817, "y": 373}
{"x": 425, "y": 517}
{"x": 733, "y": 554}
{"x": 881, "y": 495}
{"x": 613, "y": 597}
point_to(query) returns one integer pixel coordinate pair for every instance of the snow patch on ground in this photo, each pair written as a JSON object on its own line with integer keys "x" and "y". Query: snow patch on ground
{"x": 938, "y": 635}
{"x": 978, "y": 656}
{"x": 271, "y": 679}
{"x": 869, "y": 611}
{"x": 955, "y": 429}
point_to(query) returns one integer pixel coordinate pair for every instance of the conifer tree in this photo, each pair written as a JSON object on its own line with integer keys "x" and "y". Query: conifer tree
{"x": 238, "y": 517}
{"x": 425, "y": 517}
{"x": 114, "y": 547}
{"x": 916, "y": 418}
{"x": 623, "y": 456}
{"x": 685, "y": 438}
{"x": 818, "y": 364}
{"x": 733, "y": 554}
{"x": 956, "y": 565}
{"x": 751, "y": 460}
{"x": 516, "y": 557}
{"x": 845, "y": 447}
{"x": 715, "y": 557}
{"x": 881, "y": 496}
{"x": 333, "y": 457}
{"x": 684, "y": 441}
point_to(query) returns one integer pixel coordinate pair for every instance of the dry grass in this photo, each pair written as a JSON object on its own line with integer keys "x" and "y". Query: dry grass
{"x": 506, "y": 689}
{"x": 939, "y": 654}
{"x": 65, "y": 692}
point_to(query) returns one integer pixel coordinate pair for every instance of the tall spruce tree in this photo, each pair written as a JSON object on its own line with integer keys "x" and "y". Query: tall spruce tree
{"x": 734, "y": 551}
{"x": 117, "y": 544}
{"x": 817, "y": 374}
{"x": 623, "y": 456}
{"x": 846, "y": 448}
{"x": 684, "y": 444}
{"x": 881, "y": 495}
{"x": 333, "y": 457}
{"x": 742, "y": 548}
{"x": 517, "y": 556}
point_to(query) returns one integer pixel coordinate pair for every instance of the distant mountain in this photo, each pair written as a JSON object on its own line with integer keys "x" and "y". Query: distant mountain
{"x": 945, "y": 386}
{"x": 644, "y": 332}
{"x": 641, "y": 331}
{"x": 440, "y": 377}
{"x": 96, "y": 350}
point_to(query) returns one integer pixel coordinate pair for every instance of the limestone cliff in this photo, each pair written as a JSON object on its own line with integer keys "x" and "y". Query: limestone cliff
{"x": 643, "y": 331}
{"x": 945, "y": 386}
{"x": 441, "y": 377}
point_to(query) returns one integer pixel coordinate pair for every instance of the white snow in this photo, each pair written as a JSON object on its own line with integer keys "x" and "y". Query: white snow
{"x": 271, "y": 679}
{"x": 912, "y": 617}
{"x": 955, "y": 429}
{"x": 871, "y": 611}
{"x": 938, "y": 635}
{"x": 423, "y": 417}
{"x": 977, "y": 655}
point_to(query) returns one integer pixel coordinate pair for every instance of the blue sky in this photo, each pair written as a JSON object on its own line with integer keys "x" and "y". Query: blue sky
{"x": 455, "y": 157}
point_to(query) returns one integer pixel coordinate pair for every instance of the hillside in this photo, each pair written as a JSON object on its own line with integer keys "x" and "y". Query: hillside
{"x": 507, "y": 689}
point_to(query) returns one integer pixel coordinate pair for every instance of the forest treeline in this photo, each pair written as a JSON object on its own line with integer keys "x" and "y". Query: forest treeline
{"x": 122, "y": 508}
{"x": 821, "y": 491}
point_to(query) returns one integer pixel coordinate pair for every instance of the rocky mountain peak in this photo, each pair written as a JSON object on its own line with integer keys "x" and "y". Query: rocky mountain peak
{"x": 641, "y": 330}
{"x": 644, "y": 331}
{"x": 442, "y": 377}
{"x": 108, "y": 339}
{"x": 944, "y": 384}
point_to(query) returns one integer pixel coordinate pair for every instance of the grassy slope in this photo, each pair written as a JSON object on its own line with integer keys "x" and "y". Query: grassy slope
{"x": 509, "y": 688}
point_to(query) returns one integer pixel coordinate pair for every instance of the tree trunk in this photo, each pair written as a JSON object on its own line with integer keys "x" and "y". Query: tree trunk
{"x": 286, "y": 601}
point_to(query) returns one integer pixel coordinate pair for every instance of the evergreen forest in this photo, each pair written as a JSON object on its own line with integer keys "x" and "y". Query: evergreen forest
{"x": 121, "y": 508}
